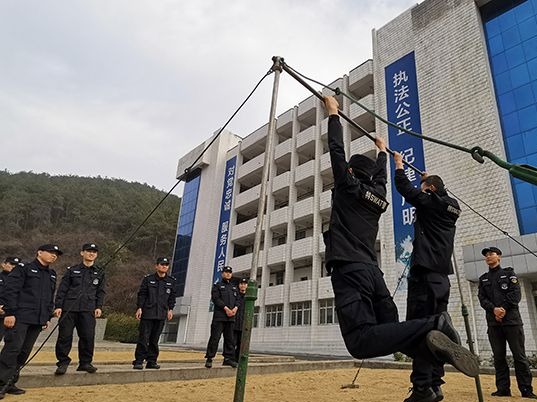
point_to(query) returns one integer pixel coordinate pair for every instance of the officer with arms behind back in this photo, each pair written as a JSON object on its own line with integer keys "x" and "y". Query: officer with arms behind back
{"x": 7, "y": 267}
{"x": 239, "y": 318}
{"x": 28, "y": 304}
{"x": 156, "y": 300}
{"x": 499, "y": 294}
{"x": 79, "y": 302}
{"x": 225, "y": 298}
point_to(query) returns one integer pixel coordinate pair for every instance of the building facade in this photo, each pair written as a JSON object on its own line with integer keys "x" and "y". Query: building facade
{"x": 462, "y": 71}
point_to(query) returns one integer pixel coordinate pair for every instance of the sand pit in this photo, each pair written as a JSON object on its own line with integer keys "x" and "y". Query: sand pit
{"x": 311, "y": 386}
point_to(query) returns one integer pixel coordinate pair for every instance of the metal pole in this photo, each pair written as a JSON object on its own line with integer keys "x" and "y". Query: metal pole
{"x": 465, "y": 315}
{"x": 251, "y": 292}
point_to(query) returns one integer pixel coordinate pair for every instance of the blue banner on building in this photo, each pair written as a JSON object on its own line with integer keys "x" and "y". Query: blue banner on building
{"x": 402, "y": 104}
{"x": 225, "y": 213}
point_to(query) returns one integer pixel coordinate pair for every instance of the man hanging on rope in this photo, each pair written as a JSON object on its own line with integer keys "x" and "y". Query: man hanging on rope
{"x": 367, "y": 315}
{"x": 428, "y": 283}
{"x": 28, "y": 303}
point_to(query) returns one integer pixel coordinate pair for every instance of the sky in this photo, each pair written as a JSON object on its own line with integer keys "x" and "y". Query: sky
{"x": 124, "y": 88}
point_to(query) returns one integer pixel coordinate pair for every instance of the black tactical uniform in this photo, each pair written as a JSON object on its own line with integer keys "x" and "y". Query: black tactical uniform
{"x": 367, "y": 315}
{"x": 499, "y": 287}
{"x": 428, "y": 282}
{"x": 81, "y": 291}
{"x": 223, "y": 294}
{"x": 237, "y": 327}
{"x": 3, "y": 278}
{"x": 13, "y": 261}
{"x": 29, "y": 296}
{"x": 156, "y": 297}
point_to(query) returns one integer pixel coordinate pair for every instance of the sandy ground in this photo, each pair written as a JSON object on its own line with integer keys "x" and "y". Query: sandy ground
{"x": 311, "y": 386}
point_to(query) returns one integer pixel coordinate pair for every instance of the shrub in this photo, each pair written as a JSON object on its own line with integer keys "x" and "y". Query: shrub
{"x": 401, "y": 357}
{"x": 121, "y": 327}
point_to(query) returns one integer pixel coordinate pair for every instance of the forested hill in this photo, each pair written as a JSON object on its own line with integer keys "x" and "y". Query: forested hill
{"x": 71, "y": 210}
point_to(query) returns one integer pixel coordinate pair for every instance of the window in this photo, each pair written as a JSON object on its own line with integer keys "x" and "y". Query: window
{"x": 274, "y": 315}
{"x": 279, "y": 278}
{"x": 256, "y": 317}
{"x": 185, "y": 228}
{"x": 327, "y": 312}
{"x": 301, "y": 313}
{"x": 511, "y": 39}
{"x": 300, "y": 234}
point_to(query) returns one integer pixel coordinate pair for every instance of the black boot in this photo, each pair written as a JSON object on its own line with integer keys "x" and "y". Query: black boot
{"x": 421, "y": 394}
{"x": 445, "y": 350}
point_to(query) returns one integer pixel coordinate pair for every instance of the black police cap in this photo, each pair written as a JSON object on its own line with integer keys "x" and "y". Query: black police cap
{"x": 51, "y": 248}
{"x": 13, "y": 260}
{"x": 163, "y": 261}
{"x": 243, "y": 280}
{"x": 90, "y": 247}
{"x": 491, "y": 250}
{"x": 227, "y": 269}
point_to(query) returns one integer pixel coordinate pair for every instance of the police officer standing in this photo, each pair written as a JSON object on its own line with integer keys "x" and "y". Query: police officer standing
{"x": 225, "y": 298}
{"x": 428, "y": 283}
{"x": 78, "y": 303}
{"x": 499, "y": 294}
{"x": 239, "y": 318}
{"x": 7, "y": 266}
{"x": 156, "y": 300}
{"x": 28, "y": 304}
{"x": 367, "y": 315}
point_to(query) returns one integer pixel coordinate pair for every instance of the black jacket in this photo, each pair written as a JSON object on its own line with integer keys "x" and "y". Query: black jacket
{"x": 81, "y": 289}
{"x": 434, "y": 229}
{"x": 499, "y": 287}
{"x": 224, "y": 294}
{"x": 239, "y": 317}
{"x": 156, "y": 296}
{"x": 356, "y": 206}
{"x": 29, "y": 293}
{"x": 3, "y": 278}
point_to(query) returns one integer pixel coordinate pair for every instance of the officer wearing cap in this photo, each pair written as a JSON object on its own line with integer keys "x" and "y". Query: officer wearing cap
{"x": 28, "y": 302}
{"x": 367, "y": 315}
{"x": 79, "y": 302}
{"x": 225, "y": 298}
{"x": 499, "y": 294}
{"x": 7, "y": 266}
{"x": 239, "y": 317}
{"x": 428, "y": 283}
{"x": 155, "y": 303}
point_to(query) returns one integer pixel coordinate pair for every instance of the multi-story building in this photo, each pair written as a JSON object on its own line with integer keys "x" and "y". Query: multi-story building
{"x": 463, "y": 71}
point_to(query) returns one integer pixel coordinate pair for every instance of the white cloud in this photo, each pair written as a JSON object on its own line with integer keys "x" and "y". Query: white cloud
{"x": 123, "y": 88}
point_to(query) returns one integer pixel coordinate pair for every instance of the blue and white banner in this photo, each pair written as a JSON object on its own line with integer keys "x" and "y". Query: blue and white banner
{"x": 225, "y": 214}
{"x": 402, "y": 104}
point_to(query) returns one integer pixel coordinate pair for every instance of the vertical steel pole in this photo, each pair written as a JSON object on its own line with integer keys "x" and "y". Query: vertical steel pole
{"x": 465, "y": 315}
{"x": 251, "y": 292}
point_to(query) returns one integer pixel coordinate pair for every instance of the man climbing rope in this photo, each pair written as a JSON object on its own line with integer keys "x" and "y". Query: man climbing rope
{"x": 367, "y": 315}
{"x": 428, "y": 283}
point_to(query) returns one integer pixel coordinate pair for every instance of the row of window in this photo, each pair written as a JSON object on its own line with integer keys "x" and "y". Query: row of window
{"x": 300, "y": 314}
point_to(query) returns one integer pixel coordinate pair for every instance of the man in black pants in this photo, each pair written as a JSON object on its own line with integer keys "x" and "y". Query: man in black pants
{"x": 428, "y": 282}
{"x": 156, "y": 300}
{"x": 239, "y": 318}
{"x": 7, "y": 267}
{"x": 367, "y": 315}
{"x": 78, "y": 303}
{"x": 28, "y": 304}
{"x": 499, "y": 295}
{"x": 225, "y": 298}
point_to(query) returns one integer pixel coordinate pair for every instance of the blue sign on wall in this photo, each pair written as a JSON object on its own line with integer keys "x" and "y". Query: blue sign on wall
{"x": 225, "y": 213}
{"x": 402, "y": 104}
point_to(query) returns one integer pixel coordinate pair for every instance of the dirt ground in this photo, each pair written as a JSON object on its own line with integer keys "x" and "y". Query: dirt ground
{"x": 311, "y": 386}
